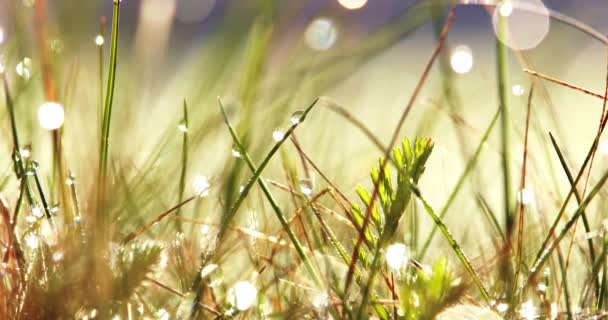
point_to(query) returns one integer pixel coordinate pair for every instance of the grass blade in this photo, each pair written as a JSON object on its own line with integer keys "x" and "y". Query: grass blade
{"x": 457, "y": 249}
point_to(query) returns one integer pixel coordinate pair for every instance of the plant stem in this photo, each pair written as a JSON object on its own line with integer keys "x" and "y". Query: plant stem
{"x": 107, "y": 112}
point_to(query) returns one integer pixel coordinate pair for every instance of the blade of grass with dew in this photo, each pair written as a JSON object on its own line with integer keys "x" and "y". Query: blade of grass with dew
{"x": 33, "y": 168}
{"x": 17, "y": 158}
{"x": 184, "y": 166}
{"x": 459, "y": 184}
{"x": 256, "y": 178}
{"x": 455, "y": 246}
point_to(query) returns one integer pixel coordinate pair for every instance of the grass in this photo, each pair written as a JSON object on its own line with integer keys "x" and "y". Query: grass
{"x": 159, "y": 200}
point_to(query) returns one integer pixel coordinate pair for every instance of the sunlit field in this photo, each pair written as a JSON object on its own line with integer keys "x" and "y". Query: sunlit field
{"x": 303, "y": 159}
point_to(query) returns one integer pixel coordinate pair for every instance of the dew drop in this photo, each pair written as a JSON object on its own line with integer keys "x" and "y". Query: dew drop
{"x": 23, "y": 68}
{"x": 278, "y": 135}
{"x": 182, "y": 127}
{"x": 235, "y": 151}
{"x": 35, "y": 165}
{"x": 296, "y": 117}
{"x": 201, "y": 186}
{"x": 25, "y": 152}
{"x": 306, "y": 186}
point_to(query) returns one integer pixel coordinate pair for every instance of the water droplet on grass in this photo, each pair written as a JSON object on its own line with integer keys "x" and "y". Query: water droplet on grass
{"x": 182, "y": 127}
{"x": 236, "y": 151}
{"x": 296, "y": 117}
{"x": 201, "y": 186}
{"x": 278, "y": 135}
{"x": 306, "y": 186}
{"x": 23, "y": 68}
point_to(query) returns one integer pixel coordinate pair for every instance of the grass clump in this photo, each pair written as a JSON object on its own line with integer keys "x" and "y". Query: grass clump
{"x": 150, "y": 202}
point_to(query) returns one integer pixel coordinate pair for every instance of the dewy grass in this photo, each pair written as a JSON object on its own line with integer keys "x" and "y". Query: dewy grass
{"x": 314, "y": 249}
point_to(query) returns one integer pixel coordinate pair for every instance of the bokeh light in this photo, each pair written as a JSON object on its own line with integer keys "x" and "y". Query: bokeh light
{"x": 99, "y": 40}
{"x": 1, "y": 35}
{"x": 518, "y": 90}
{"x": 526, "y": 23}
{"x": 245, "y": 295}
{"x": 321, "y": 34}
{"x": 462, "y": 59}
{"x": 51, "y": 115}
{"x": 397, "y": 256}
{"x": 525, "y": 196}
{"x": 352, "y": 4}
{"x": 193, "y": 11}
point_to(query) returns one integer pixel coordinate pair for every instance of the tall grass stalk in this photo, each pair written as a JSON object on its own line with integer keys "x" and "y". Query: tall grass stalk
{"x": 107, "y": 114}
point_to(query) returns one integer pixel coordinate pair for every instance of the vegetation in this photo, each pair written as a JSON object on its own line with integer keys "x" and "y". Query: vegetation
{"x": 231, "y": 182}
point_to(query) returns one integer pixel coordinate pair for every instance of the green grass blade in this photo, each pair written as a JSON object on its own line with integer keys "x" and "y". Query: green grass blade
{"x": 545, "y": 252}
{"x": 455, "y": 246}
{"x": 107, "y": 112}
{"x": 467, "y": 170}
{"x": 184, "y": 168}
